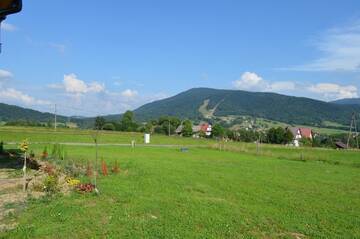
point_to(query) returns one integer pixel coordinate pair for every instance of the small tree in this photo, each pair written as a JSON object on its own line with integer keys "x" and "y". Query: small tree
{"x": 218, "y": 131}
{"x": 187, "y": 128}
{"x": 99, "y": 122}
{"x": 104, "y": 168}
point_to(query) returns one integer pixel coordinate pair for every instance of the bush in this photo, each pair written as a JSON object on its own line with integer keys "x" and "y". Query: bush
{"x": 51, "y": 184}
{"x": 58, "y": 152}
{"x": 44, "y": 154}
{"x": 1, "y": 147}
{"x": 109, "y": 126}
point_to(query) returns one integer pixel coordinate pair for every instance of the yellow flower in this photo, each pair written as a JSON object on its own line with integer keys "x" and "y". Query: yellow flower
{"x": 24, "y": 146}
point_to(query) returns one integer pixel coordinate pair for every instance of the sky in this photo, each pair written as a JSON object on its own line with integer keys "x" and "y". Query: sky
{"x": 92, "y": 58}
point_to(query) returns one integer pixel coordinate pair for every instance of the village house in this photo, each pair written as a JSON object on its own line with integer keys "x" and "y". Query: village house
{"x": 300, "y": 133}
{"x": 204, "y": 128}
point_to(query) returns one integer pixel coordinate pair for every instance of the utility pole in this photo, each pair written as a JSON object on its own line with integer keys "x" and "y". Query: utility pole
{"x": 354, "y": 134}
{"x": 169, "y": 127}
{"x": 55, "y": 123}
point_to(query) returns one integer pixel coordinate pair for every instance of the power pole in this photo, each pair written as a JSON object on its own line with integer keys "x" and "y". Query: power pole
{"x": 55, "y": 123}
{"x": 354, "y": 133}
{"x": 169, "y": 127}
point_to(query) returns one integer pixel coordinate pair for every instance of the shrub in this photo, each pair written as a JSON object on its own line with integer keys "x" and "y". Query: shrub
{"x": 49, "y": 169}
{"x": 44, "y": 154}
{"x": 51, "y": 184}
{"x": 58, "y": 152}
{"x": 73, "y": 170}
{"x": 89, "y": 171}
{"x": 73, "y": 181}
{"x": 104, "y": 168}
{"x": 1, "y": 147}
{"x": 115, "y": 169}
{"x": 85, "y": 187}
{"x": 32, "y": 154}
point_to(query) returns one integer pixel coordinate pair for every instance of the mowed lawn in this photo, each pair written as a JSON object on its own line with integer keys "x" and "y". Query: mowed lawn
{"x": 202, "y": 193}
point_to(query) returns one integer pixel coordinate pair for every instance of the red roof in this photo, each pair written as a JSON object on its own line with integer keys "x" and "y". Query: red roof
{"x": 204, "y": 127}
{"x": 306, "y": 132}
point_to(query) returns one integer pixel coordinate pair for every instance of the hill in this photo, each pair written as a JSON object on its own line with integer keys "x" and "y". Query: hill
{"x": 206, "y": 103}
{"x": 15, "y": 113}
{"x": 352, "y": 101}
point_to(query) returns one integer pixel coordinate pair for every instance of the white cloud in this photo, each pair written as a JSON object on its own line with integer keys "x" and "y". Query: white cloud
{"x": 249, "y": 81}
{"x": 8, "y": 27}
{"x": 5, "y": 75}
{"x": 128, "y": 93}
{"x": 11, "y": 94}
{"x": 340, "y": 50}
{"x": 254, "y": 82}
{"x": 73, "y": 85}
{"x": 332, "y": 91}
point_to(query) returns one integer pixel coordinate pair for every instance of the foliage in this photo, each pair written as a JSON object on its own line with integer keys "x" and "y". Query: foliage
{"x": 1, "y": 147}
{"x": 89, "y": 170}
{"x": 127, "y": 122}
{"x": 85, "y": 187}
{"x": 99, "y": 122}
{"x": 73, "y": 182}
{"x": 104, "y": 169}
{"x": 51, "y": 184}
{"x": 116, "y": 168}
{"x": 279, "y": 136}
{"x": 58, "y": 152}
{"x": 109, "y": 126}
{"x": 49, "y": 169}
{"x": 45, "y": 153}
{"x": 306, "y": 142}
{"x": 218, "y": 131}
{"x": 187, "y": 128}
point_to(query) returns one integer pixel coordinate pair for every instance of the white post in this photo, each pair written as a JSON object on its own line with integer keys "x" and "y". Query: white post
{"x": 24, "y": 170}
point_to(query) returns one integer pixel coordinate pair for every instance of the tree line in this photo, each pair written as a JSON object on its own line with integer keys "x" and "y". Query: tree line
{"x": 167, "y": 125}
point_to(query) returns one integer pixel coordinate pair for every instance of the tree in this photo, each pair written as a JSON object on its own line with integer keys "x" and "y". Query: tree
{"x": 288, "y": 136}
{"x": 218, "y": 131}
{"x": 276, "y": 135}
{"x": 99, "y": 122}
{"x": 187, "y": 128}
{"x": 109, "y": 126}
{"x": 127, "y": 122}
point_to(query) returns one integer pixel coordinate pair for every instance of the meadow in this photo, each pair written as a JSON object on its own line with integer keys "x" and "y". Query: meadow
{"x": 213, "y": 190}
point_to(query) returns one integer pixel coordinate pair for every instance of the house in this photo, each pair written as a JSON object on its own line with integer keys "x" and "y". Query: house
{"x": 197, "y": 129}
{"x": 340, "y": 145}
{"x": 206, "y": 128}
{"x": 301, "y": 133}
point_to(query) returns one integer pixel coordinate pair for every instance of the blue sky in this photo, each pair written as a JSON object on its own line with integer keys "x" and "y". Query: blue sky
{"x": 93, "y": 58}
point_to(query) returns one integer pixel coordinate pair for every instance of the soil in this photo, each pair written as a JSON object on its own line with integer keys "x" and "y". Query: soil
{"x": 12, "y": 197}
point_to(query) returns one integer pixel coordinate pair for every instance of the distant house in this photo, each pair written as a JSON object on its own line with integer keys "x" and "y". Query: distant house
{"x": 340, "y": 145}
{"x": 300, "y": 133}
{"x": 197, "y": 129}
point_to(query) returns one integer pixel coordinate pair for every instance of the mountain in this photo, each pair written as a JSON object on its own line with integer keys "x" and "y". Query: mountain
{"x": 15, "y": 113}
{"x": 206, "y": 103}
{"x": 350, "y": 101}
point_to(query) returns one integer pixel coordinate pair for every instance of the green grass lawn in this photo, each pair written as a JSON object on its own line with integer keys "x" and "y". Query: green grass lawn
{"x": 203, "y": 193}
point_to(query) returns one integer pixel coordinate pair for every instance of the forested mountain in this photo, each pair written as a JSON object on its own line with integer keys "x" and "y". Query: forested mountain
{"x": 16, "y": 113}
{"x": 352, "y": 101}
{"x": 213, "y": 104}
{"x": 200, "y": 103}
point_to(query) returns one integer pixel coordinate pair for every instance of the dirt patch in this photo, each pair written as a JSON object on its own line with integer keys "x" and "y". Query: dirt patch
{"x": 12, "y": 196}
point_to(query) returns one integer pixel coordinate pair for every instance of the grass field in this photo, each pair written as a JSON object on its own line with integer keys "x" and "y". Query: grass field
{"x": 239, "y": 192}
